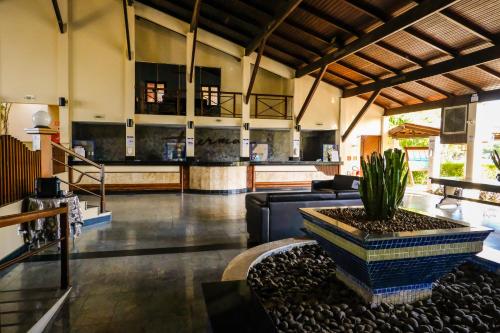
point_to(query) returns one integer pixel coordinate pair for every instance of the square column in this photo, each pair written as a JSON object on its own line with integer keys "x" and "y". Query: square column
{"x": 246, "y": 72}
{"x": 129, "y": 88}
{"x": 434, "y": 158}
{"x": 42, "y": 142}
{"x": 190, "y": 97}
{"x": 473, "y": 157}
{"x": 63, "y": 76}
{"x": 298, "y": 100}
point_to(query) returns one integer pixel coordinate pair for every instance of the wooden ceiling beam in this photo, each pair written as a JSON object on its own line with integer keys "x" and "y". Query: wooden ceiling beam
{"x": 469, "y": 26}
{"x": 392, "y": 99}
{"x": 343, "y": 77}
{"x": 310, "y": 95}
{"x": 194, "y": 18}
{"x": 462, "y": 82}
{"x": 452, "y": 101}
{"x": 447, "y": 66}
{"x": 127, "y": 31}
{"x": 328, "y": 19}
{"x": 489, "y": 70}
{"x": 398, "y": 23}
{"x": 434, "y": 88}
{"x": 378, "y": 63}
{"x": 431, "y": 42}
{"x": 255, "y": 70}
{"x": 360, "y": 114}
{"x": 59, "y": 19}
{"x": 193, "y": 28}
{"x": 402, "y": 54}
{"x": 410, "y": 93}
{"x": 369, "y": 9}
{"x": 282, "y": 13}
{"x": 243, "y": 21}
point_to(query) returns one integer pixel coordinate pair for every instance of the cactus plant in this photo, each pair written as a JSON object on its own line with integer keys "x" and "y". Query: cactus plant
{"x": 383, "y": 184}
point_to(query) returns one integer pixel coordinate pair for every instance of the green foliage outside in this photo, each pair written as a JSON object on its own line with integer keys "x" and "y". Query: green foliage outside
{"x": 420, "y": 177}
{"x": 383, "y": 184}
{"x": 489, "y": 171}
{"x": 453, "y": 169}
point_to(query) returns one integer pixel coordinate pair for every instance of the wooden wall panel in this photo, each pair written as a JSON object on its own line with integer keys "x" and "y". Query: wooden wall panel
{"x": 19, "y": 168}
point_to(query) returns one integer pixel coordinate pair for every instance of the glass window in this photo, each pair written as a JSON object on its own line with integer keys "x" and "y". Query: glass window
{"x": 210, "y": 95}
{"x": 155, "y": 92}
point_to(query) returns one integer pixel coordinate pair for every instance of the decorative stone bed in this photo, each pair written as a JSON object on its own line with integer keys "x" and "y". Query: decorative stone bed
{"x": 300, "y": 291}
{"x": 394, "y": 261}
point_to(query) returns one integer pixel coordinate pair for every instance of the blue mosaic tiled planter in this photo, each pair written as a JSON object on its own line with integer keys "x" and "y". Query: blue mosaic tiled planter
{"x": 396, "y": 267}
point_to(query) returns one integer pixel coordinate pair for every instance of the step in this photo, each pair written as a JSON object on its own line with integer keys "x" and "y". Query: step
{"x": 90, "y": 212}
{"x": 102, "y": 218}
{"x": 83, "y": 205}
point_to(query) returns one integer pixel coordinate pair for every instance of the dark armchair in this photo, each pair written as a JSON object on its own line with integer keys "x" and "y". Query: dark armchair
{"x": 344, "y": 187}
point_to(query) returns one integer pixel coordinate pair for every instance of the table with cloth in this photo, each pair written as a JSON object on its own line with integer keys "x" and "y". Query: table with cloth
{"x": 47, "y": 229}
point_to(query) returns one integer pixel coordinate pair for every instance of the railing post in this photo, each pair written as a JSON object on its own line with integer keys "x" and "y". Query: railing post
{"x": 103, "y": 190}
{"x": 234, "y": 105}
{"x": 64, "y": 228}
{"x": 286, "y": 107}
{"x": 256, "y": 107}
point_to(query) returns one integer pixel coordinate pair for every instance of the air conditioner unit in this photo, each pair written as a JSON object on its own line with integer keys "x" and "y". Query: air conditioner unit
{"x": 454, "y": 124}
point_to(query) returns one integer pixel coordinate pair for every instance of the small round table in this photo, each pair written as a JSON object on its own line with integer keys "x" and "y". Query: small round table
{"x": 47, "y": 229}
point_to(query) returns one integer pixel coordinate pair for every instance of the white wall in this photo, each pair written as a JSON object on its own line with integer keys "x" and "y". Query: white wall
{"x": 369, "y": 124}
{"x": 97, "y": 60}
{"x": 322, "y": 112}
{"x": 28, "y": 51}
{"x": 21, "y": 118}
{"x": 9, "y": 240}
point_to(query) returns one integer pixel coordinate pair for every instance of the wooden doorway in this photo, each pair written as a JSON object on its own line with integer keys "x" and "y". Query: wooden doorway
{"x": 370, "y": 144}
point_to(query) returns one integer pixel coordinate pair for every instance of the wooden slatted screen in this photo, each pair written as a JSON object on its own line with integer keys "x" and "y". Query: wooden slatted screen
{"x": 19, "y": 168}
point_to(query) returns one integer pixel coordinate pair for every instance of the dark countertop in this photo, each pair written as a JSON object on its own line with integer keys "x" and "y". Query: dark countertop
{"x": 207, "y": 163}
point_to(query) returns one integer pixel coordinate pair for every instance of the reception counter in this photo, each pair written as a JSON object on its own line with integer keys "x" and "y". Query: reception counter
{"x": 207, "y": 177}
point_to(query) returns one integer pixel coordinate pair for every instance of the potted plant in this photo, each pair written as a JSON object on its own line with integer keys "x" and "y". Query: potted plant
{"x": 496, "y": 160}
{"x": 4, "y": 117}
{"x": 386, "y": 253}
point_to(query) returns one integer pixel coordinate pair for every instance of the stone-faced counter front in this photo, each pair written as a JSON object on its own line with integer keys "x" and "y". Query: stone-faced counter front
{"x": 218, "y": 179}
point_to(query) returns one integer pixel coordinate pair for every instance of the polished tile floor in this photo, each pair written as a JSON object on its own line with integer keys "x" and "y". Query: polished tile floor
{"x": 143, "y": 272}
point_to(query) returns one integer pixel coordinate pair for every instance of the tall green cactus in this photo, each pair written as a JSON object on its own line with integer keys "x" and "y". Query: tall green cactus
{"x": 383, "y": 184}
{"x": 496, "y": 159}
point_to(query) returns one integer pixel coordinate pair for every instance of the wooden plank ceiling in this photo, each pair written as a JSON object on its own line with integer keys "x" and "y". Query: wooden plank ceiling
{"x": 318, "y": 28}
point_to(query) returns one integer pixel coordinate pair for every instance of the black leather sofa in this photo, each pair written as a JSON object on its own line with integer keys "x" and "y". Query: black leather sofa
{"x": 274, "y": 216}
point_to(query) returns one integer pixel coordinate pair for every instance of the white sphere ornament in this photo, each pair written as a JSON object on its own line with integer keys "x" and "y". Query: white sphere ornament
{"x": 41, "y": 119}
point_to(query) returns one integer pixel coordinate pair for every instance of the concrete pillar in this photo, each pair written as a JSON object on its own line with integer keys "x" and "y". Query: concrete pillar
{"x": 434, "y": 158}
{"x": 294, "y": 145}
{"x": 298, "y": 100}
{"x": 129, "y": 88}
{"x": 63, "y": 75}
{"x": 246, "y": 72}
{"x": 190, "y": 96}
{"x": 473, "y": 157}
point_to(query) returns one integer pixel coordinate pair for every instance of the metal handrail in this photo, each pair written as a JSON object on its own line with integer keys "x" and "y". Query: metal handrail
{"x": 10, "y": 220}
{"x": 101, "y": 179}
{"x": 72, "y": 153}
